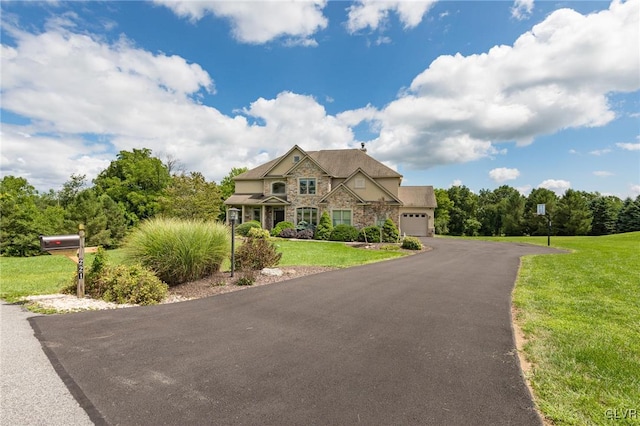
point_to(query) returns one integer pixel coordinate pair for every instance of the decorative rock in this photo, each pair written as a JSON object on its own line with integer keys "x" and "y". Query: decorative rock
{"x": 272, "y": 272}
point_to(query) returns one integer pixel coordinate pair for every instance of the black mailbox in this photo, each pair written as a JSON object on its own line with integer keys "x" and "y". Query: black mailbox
{"x": 59, "y": 242}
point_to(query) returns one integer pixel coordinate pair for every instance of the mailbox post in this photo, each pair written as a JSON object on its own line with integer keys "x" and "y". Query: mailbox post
{"x": 71, "y": 246}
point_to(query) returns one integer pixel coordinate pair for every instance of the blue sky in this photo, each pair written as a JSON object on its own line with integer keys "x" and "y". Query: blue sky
{"x": 526, "y": 93}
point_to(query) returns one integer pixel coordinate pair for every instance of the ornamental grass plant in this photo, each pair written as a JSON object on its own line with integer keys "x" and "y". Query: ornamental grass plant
{"x": 178, "y": 250}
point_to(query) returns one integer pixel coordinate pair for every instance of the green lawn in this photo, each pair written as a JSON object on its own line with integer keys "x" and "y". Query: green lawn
{"x": 47, "y": 274}
{"x": 581, "y": 315}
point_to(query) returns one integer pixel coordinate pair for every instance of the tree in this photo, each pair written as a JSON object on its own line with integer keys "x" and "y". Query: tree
{"x": 629, "y": 217}
{"x": 21, "y": 221}
{"x": 572, "y": 216}
{"x": 191, "y": 197}
{"x": 534, "y": 224}
{"x": 228, "y": 187}
{"x": 104, "y": 220}
{"x": 441, "y": 214}
{"x": 136, "y": 180}
{"x": 324, "y": 228}
{"x": 604, "y": 210}
{"x": 71, "y": 189}
{"x": 465, "y": 206}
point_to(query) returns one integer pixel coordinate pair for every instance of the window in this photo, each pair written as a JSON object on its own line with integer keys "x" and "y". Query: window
{"x": 307, "y": 214}
{"x": 307, "y": 186}
{"x": 359, "y": 183}
{"x": 278, "y": 188}
{"x": 296, "y": 158}
{"x": 341, "y": 217}
{"x": 256, "y": 214}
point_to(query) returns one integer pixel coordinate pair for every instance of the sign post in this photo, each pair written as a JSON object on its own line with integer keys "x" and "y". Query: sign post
{"x": 542, "y": 212}
{"x": 81, "y": 262}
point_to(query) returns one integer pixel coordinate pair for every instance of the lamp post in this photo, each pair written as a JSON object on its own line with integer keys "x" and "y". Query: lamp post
{"x": 233, "y": 216}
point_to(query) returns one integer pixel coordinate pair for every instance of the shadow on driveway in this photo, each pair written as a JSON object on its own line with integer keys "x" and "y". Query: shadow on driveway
{"x": 425, "y": 339}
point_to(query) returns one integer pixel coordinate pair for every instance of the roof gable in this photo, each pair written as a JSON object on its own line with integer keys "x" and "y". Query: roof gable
{"x": 359, "y": 172}
{"x": 337, "y": 189}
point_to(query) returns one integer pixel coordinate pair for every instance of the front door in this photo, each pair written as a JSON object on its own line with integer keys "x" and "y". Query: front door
{"x": 278, "y": 215}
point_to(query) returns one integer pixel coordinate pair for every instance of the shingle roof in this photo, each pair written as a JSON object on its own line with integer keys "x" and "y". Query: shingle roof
{"x": 417, "y": 196}
{"x": 338, "y": 162}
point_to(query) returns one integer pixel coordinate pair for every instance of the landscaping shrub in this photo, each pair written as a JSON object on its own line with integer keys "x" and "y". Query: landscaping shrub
{"x": 179, "y": 250}
{"x": 305, "y": 234}
{"x": 323, "y": 231}
{"x": 244, "y": 228}
{"x": 370, "y": 234}
{"x": 281, "y": 226}
{"x": 390, "y": 232}
{"x": 288, "y": 233}
{"x": 247, "y": 278}
{"x": 258, "y": 233}
{"x": 91, "y": 284}
{"x": 344, "y": 232}
{"x": 411, "y": 243}
{"x": 132, "y": 284}
{"x": 256, "y": 254}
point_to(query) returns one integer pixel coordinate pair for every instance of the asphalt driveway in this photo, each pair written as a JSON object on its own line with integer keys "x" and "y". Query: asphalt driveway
{"x": 425, "y": 339}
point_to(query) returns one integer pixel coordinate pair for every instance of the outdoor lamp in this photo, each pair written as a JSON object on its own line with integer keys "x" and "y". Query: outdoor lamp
{"x": 233, "y": 216}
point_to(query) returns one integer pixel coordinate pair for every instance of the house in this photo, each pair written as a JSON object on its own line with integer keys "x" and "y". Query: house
{"x": 350, "y": 185}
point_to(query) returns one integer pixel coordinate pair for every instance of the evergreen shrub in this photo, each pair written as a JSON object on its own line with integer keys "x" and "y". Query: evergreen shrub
{"x": 281, "y": 226}
{"x": 390, "y": 232}
{"x": 324, "y": 228}
{"x": 411, "y": 243}
{"x": 244, "y": 228}
{"x": 370, "y": 234}
{"x": 344, "y": 232}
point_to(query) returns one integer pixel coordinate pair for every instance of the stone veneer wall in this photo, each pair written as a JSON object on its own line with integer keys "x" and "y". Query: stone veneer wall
{"x": 306, "y": 170}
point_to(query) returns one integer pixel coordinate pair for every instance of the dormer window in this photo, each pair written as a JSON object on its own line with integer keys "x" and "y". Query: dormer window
{"x": 278, "y": 188}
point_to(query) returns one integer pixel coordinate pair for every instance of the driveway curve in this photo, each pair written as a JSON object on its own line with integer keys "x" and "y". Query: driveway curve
{"x": 425, "y": 339}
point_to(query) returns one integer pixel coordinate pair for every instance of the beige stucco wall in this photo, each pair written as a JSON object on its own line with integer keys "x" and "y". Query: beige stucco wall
{"x": 370, "y": 192}
{"x": 286, "y": 164}
{"x": 248, "y": 187}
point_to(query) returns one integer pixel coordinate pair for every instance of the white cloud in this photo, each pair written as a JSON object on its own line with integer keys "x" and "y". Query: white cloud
{"x": 456, "y": 182}
{"x": 503, "y": 174}
{"x": 88, "y": 99}
{"x": 634, "y": 190}
{"x": 629, "y": 146}
{"x": 602, "y": 173}
{"x": 259, "y": 22}
{"x": 373, "y": 14}
{"x": 522, "y": 9}
{"x": 556, "y": 76}
{"x": 599, "y": 152}
{"x": 524, "y": 190}
{"x": 558, "y": 186}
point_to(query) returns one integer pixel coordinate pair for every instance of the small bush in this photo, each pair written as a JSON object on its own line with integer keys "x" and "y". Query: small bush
{"x": 324, "y": 228}
{"x": 288, "y": 233}
{"x": 257, "y": 254}
{"x": 179, "y": 250}
{"x": 244, "y": 228}
{"x": 91, "y": 283}
{"x": 305, "y": 234}
{"x": 390, "y": 232}
{"x": 370, "y": 234}
{"x": 411, "y": 243}
{"x": 344, "y": 232}
{"x": 281, "y": 226}
{"x": 259, "y": 233}
{"x": 247, "y": 278}
{"x": 132, "y": 284}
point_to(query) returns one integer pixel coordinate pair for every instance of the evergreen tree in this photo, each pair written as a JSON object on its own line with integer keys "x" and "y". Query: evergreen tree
{"x": 324, "y": 228}
{"x": 572, "y": 216}
{"x": 604, "y": 211}
{"x": 629, "y": 217}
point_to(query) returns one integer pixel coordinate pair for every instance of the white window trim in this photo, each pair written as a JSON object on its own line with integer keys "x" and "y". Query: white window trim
{"x": 307, "y": 179}
{"x": 342, "y": 210}
{"x": 279, "y": 193}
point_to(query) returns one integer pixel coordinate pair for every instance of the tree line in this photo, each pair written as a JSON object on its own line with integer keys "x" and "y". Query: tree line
{"x": 134, "y": 187}
{"x": 505, "y": 211}
{"x": 138, "y": 186}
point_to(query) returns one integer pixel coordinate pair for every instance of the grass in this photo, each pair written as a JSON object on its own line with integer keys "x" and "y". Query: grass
{"x": 20, "y": 277}
{"x": 580, "y": 313}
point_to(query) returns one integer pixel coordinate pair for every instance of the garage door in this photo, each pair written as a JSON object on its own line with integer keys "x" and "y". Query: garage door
{"x": 414, "y": 224}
